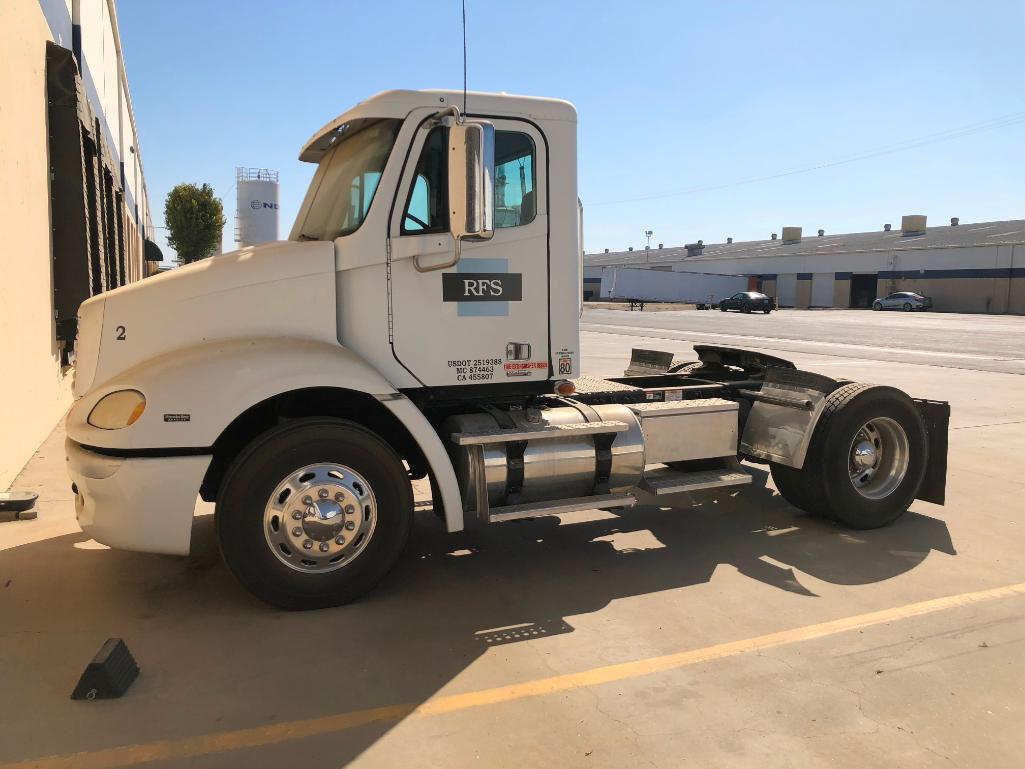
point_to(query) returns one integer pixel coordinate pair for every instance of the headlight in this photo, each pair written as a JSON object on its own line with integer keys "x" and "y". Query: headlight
{"x": 118, "y": 409}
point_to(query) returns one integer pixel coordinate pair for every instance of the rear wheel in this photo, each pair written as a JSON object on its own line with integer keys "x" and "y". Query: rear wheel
{"x": 866, "y": 460}
{"x": 767, "y": 310}
{"x": 314, "y": 513}
{"x": 745, "y": 307}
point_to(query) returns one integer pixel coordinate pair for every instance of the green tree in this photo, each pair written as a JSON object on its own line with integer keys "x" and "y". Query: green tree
{"x": 194, "y": 220}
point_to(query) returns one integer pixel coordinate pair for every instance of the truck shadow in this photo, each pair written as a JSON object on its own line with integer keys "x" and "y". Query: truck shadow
{"x": 221, "y": 661}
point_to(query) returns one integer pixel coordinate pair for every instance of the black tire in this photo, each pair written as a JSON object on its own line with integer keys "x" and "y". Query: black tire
{"x": 745, "y": 308}
{"x": 723, "y": 307}
{"x": 824, "y": 484}
{"x": 907, "y": 306}
{"x": 877, "y": 306}
{"x": 254, "y": 476}
{"x": 767, "y": 310}
{"x": 802, "y": 490}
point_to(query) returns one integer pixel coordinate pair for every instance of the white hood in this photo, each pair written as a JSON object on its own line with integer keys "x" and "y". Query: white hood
{"x": 281, "y": 289}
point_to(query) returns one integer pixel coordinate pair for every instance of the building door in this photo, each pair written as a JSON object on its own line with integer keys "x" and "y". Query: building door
{"x": 822, "y": 289}
{"x": 786, "y": 290}
{"x": 863, "y": 290}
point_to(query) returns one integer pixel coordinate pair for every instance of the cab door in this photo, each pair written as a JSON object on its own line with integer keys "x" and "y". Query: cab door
{"x": 479, "y": 315}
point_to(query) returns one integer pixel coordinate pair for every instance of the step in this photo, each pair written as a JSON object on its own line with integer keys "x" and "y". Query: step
{"x": 538, "y": 432}
{"x": 558, "y": 506}
{"x": 668, "y": 481}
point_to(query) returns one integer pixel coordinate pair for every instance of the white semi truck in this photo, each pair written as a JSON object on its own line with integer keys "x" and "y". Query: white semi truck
{"x": 422, "y": 321}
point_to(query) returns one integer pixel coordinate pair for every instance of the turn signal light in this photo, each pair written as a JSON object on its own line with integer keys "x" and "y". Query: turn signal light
{"x": 117, "y": 410}
{"x": 565, "y": 387}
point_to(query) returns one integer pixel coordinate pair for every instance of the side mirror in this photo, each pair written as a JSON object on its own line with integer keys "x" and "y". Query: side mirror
{"x": 471, "y": 180}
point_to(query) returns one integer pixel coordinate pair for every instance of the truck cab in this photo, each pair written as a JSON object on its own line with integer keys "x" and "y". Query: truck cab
{"x": 422, "y": 321}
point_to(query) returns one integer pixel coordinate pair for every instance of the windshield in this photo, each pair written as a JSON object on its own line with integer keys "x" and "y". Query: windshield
{"x": 346, "y": 181}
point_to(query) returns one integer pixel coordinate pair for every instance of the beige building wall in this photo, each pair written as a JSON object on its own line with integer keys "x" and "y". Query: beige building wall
{"x": 35, "y": 385}
{"x": 34, "y": 391}
{"x": 841, "y": 293}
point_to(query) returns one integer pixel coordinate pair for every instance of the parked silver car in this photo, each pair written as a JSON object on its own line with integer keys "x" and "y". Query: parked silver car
{"x": 903, "y": 300}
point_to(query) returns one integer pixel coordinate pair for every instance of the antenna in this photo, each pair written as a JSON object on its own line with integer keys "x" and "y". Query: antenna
{"x": 464, "y": 57}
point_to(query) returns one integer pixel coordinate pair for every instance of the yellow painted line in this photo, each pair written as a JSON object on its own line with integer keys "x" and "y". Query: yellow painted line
{"x": 259, "y": 736}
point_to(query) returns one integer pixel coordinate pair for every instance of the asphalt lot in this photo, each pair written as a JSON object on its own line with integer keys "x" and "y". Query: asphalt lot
{"x": 973, "y": 342}
{"x": 725, "y": 631}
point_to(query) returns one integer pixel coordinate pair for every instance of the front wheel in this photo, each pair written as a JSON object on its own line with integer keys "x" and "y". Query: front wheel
{"x": 907, "y": 307}
{"x": 723, "y": 307}
{"x": 866, "y": 460}
{"x": 314, "y": 513}
{"x": 877, "y": 306}
{"x": 745, "y": 308}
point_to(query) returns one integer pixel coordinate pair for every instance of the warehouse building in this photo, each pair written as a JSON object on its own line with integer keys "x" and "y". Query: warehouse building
{"x": 76, "y": 218}
{"x": 977, "y": 268}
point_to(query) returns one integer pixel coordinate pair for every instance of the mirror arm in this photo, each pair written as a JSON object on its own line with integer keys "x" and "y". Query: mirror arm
{"x": 444, "y": 265}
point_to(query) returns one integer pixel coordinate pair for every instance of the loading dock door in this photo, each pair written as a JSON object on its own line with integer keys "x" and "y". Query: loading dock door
{"x": 863, "y": 290}
{"x": 822, "y": 289}
{"x": 786, "y": 290}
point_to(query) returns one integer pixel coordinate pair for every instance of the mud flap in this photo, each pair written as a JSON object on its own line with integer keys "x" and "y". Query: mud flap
{"x": 936, "y": 416}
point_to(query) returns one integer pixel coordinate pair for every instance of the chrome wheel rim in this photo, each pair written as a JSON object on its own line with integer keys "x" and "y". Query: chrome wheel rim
{"x": 878, "y": 458}
{"x": 320, "y": 518}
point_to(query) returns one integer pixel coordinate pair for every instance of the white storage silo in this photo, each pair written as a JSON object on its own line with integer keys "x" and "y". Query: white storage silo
{"x": 256, "y": 218}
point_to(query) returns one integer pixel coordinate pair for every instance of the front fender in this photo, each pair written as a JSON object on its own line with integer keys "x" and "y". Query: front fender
{"x": 193, "y": 394}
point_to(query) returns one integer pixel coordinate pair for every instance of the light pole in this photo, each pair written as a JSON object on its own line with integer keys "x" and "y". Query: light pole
{"x": 647, "y": 249}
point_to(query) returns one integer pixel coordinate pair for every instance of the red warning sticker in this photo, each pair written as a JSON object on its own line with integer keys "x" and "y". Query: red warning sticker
{"x": 523, "y": 368}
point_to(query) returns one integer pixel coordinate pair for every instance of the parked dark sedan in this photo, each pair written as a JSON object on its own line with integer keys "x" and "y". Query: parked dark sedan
{"x": 746, "y": 301}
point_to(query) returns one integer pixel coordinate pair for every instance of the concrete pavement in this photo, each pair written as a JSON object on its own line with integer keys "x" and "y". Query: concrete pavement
{"x": 492, "y": 647}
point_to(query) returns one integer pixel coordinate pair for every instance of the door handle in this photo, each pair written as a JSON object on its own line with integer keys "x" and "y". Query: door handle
{"x": 441, "y": 266}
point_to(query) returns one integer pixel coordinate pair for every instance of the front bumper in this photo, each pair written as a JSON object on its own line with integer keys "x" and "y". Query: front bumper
{"x": 136, "y": 503}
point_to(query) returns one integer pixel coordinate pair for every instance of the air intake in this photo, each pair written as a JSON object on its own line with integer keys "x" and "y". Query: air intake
{"x": 887, "y": 227}
{"x": 821, "y": 233}
{"x": 695, "y": 249}
{"x": 729, "y": 241}
{"x": 791, "y": 235}
{"x": 954, "y": 221}
{"x": 912, "y": 224}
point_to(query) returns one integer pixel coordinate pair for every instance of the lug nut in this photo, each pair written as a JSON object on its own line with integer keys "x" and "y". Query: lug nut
{"x": 307, "y": 500}
{"x": 297, "y": 515}
{"x": 339, "y": 497}
{"x": 350, "y": 525}
{"x": 322, "y": 493}
{"x": 308, "y": 544}
{"x": 324, "y": 547}
{"x": 297, "y": 531}
{"x": 339, "y": 540}
{"x": 349, "y": 509}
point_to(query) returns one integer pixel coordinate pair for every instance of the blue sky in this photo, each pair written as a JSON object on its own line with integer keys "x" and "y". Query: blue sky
{"x": 677, "y": 101}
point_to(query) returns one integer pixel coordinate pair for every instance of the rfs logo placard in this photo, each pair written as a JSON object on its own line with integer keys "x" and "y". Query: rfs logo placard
{"x": 482, "y": 287}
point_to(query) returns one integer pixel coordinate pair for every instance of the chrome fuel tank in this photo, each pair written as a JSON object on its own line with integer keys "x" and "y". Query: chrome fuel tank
{"x": 553, "y": 468}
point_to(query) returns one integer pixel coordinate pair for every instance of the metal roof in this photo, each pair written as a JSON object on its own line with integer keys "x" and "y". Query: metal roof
{"x": 947, "y": 236}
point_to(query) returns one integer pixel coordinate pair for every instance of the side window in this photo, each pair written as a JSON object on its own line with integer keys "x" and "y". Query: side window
{"x": 515, "y": 202}
{"x": 427, "y": 205}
